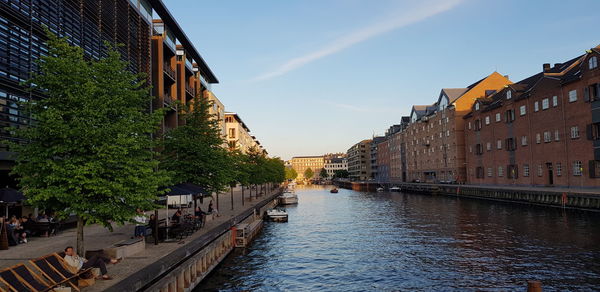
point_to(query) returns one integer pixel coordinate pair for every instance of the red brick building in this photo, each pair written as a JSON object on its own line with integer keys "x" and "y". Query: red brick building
{"x": 543, "y": 130}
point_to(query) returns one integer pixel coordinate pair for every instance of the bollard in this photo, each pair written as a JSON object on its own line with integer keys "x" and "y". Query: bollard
{"x": 534, "y": 286}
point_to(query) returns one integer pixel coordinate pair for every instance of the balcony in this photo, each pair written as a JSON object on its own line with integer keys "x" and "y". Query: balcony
{"x": 169, "y": 71}
{"x": 169, "y": 100}
{"x": 190, "y": 90}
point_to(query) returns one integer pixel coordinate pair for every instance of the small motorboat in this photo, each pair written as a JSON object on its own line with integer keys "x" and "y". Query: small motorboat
{"x": 395, "y": 189}
{"x": 380, "y": 189}
{"x": 334, "y": 191}
{"x": 288, "y": 198}
{"x": 277, "y": 215}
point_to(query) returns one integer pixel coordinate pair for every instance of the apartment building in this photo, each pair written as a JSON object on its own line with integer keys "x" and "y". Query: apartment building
{"x": 238, "y": 134}
{"x": 359, "y": 160}
{"x": 434, "y": 138}
{"x": 217, "y": 110}
{"x": 335, "y": 163}
{"x": 541, "y": 131}
{"x": 302, "y": 163}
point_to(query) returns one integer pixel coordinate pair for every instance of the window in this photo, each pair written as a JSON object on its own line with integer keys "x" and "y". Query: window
{"x": 512, "y": 171}
{"x": 525, "y": 169}
{"x": 477, "y": 106}
{"x": 447, "y": 133}
{"x": 593, "y": 62}
{"x": 487, "y": 120}
{"x": 498, "y": 118}
{"x": 499, "y": 144}
{"x": 477, "y": 125}
{"x": 489, "y": 171}
{"x": 510, "y": 144}
{"x": 478, "y": 149}
{"x": 232, "y": 133}
{"x": 556, "y": 136}
{"x": 479, "y": 172}
{"x": 508, "y": 94}
{"x": 594, "y": 168}
{"x": 536, "y": 106}
{"x": 500, "y": 171}
{"x": 574, "y": 132}
{"x": 524, "y": 141}
{"x": 545, "y": 104}
{"x": 469, "y": 125}
{"x": 538, "y": 138}
{"x": 577, "y": 168}
{"x": 592, "y": 92}
{"x": 539, "y": 172}
{"x": 547, "y": 137}
{"x": 555, "y": 101}
{"x": 572, "y": 95}
{"x": 558, "y": 169}
{"x": 470, "y": 149}
{"x": 489, "y": 146}
{"x": 523, "y": 110}
{"x": 510, "y": 115}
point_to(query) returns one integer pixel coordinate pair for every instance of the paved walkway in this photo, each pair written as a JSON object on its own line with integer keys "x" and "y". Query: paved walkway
{"x": 97, "y": 237}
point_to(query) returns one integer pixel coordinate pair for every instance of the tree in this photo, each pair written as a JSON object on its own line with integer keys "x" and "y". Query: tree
{"x": 290, "y": 173}
{"x": 308, "y": 173}
{"x": 193, "y": 151}
{"x": 89, "y": 152}
{"x": 340, "y": 173}
{"x": 323, "y": 173}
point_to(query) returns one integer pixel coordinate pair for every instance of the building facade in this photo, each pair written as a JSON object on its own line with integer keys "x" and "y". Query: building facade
{"x": 148, "y": 46}
{"x": 541, "y": 131}
{"x": 302, "y": 163}
{"x": 217, "y": 110}
{"x": 434, "y": 138}
{"x": 238, "y": 134}
{"x": 336, "y": 163}
{"x": 359, "y": 160}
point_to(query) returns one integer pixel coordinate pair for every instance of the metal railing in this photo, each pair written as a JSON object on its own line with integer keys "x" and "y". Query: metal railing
{"x": 170, "y": 72}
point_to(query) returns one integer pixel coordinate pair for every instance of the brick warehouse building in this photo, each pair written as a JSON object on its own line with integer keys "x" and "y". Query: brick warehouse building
{"x": 434, "y": 138}
{"x": 543, "y": 130}
{"x": 88, "y": 24}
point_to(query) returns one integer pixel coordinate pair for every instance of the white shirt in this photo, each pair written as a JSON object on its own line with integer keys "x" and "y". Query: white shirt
{"x": 140, "y": 220}
{"x": 74, "y": 261}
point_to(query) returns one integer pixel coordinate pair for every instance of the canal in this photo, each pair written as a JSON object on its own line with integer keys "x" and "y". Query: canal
{"x": 354, "y": 241}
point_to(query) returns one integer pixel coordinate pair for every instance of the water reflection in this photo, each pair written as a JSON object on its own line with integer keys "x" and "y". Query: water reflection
{"x": 354, "y": 241}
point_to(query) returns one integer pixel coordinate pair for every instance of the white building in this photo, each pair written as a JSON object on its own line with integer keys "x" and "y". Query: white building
{"x": 335, "y": 163}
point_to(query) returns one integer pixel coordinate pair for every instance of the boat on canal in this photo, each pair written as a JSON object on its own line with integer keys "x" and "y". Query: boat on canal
{"x": 334, "y": 191}
{"x": 380, "y": 189}
{"x": 288, "y": 198}
{"x": 277, "y": 215}
{"x": 395, "y": 189}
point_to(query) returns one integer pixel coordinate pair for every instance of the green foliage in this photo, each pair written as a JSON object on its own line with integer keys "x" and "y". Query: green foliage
{"x": 194, "y": 153}
{"x": 309, "y": 173}
{"x": 90, "y": 151}
{"x": 290, "y": 173}
{"x": 340, "y": 173}
{"x": 323, "y": 173}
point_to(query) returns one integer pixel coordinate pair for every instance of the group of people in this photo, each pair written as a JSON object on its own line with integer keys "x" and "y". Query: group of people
{"x": 20, "y": 229}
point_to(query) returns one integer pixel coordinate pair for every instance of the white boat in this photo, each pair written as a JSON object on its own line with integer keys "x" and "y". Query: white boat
{"x": 277, "y": 215}
{"x": 395, "y": 189}
{"x": 380, "y": 189}
{"x": 288, "y": 198}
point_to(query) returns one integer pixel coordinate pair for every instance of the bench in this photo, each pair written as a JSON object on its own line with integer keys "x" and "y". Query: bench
{"x": 126, "y": 248}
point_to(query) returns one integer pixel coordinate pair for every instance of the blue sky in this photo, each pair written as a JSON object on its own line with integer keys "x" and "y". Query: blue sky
{"x": 316, "y": 76}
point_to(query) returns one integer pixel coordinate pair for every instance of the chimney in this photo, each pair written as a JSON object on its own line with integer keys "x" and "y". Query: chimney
{"x": 506, "y": 76}
{"x": 546, "y": 67}
{"x": 556, "y": 65}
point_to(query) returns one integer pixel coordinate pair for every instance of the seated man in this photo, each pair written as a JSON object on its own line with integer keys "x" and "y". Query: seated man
{"x": 77, "y": 263}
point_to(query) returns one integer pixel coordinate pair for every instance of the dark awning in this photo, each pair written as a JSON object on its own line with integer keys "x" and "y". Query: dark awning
{"x": 8, "y": 195}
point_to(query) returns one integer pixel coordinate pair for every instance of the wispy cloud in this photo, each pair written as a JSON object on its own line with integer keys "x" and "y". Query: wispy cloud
{"x": 361, "y": 109}
{"x": 402, "y": 19}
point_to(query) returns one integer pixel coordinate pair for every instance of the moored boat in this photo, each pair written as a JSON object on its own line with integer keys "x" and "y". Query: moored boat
{"x": 288, "y": 198}
{"x": 334, "y": 191}
{"x": 277, "y": 215}
{"x": 380, "y": 189}
{"x": 395, "y": 189}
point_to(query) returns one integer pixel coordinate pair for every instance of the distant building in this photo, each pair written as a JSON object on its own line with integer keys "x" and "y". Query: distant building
{"x": 217, "y": 110}
{"x": 302, "y": 163}
{"x": 333, "y": 164}
{"x": 238, "y": 134}
{"x": 359, "y": 160}
{"x": 375, "y": 143}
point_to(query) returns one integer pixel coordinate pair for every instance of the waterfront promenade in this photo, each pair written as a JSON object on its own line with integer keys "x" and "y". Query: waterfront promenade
{"x": 98, "y": 237}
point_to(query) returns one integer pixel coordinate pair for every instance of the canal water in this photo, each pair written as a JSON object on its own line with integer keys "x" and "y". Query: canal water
{"x": 353, "y": 241}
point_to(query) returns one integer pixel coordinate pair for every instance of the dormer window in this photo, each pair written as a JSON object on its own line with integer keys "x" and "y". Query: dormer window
{"x": 593, "y": 62}
{"x": 476, "y": 106}
{"x": 508, "y": 94}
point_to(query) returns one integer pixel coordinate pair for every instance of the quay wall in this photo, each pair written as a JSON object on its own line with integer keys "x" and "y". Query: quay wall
{"x": 563, "y": 198}
{"x": 183, "y": 269}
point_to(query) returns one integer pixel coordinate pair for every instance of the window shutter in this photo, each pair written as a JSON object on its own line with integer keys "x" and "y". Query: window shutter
{"x": 588, "y": 131}
{"x": 592, "y": 164}
{"x": 586, "y": 93}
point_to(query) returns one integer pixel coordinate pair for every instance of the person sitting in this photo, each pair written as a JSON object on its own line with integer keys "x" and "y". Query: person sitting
{"x": 76, "y": 263}
{"x": 28, "y": 225}
{"x": 212, "y": 210}
{"x": 151, "y": 225}
{"x": 199, "y": 215}
{"x": 140, "y": 224}
{"x": 17, "y": 230}
{"x": 176, "y": 219}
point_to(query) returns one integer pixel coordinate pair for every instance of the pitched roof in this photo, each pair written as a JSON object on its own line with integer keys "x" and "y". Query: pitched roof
{"x": 454, "y": 93}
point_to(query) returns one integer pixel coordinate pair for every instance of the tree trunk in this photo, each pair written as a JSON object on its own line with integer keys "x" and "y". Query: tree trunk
{"x": 217, "y": 194}
{"x": 231, "y": 188}
{"x": 80, "y": 245}
{"x": 242, "y": 195}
